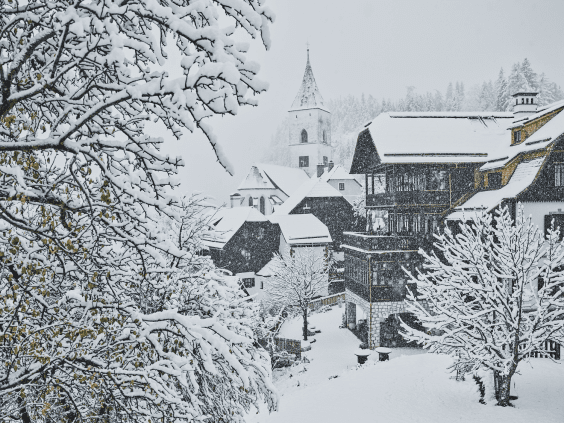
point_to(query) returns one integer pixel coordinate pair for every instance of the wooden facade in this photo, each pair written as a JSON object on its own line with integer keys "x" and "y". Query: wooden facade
{"x": 407, "y": 201}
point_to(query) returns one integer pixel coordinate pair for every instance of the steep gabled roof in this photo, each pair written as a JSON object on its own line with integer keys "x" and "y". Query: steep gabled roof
{"x": 485, "y": 201}
{"x": 308, "y": 96}
{"x": 302, "y": 229}
{"x": 269, "y": 176}
{"x": 338, "y": 172}
{"x": 227, "y": 222}
{"x": 438, "y": 137}
{"x": 312, "y": 188}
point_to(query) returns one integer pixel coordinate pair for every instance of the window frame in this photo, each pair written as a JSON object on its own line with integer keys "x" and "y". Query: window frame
{"x": 559, "y": 174}
{"x": 303, "y": 161}
{"x": 341, "y": 186}
{"x": 303, "y": 137}
{"x": 248, "y": 284}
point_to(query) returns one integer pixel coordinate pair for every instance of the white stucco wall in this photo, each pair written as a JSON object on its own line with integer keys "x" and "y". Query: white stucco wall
{"x": 538, "y": 210}
{"x": 314, "y": 121}
{"x": 257, "y": 193}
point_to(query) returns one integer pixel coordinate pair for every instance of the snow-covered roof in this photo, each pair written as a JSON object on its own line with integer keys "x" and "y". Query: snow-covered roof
{"x": 540, "y": 139}
{"x": 439, "y": 137}
{"x": 312, "y": 188}
{"x": 338, "y": 172}
{"x": 302, "y": 229}
{"x": 269, "y": 176}
{"x": 268, "y": 270}
{"x": 485, "y": 201}
{"x": 308, "y": 96}
{"x": 549, "y": 108}
{"x": 227, "y": 222}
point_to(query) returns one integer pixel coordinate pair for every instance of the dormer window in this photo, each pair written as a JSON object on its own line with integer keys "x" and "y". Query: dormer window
{"x": 516, "y": 137}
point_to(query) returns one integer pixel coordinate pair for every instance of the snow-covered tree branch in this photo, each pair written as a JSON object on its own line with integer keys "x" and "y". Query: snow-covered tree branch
{"x": 299, "y": 276}
{"x": 497, "y": 295}
{"x": 106, "y": 314}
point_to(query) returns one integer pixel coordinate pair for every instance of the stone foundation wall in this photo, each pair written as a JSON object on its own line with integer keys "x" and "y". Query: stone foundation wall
{"x": 376, "y": 313}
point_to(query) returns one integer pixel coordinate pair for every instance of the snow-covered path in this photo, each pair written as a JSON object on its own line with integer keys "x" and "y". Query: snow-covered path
{"x": 407, "y": 389}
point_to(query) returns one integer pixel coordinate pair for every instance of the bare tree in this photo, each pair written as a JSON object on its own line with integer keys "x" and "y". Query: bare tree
{"x": 299, "y": 276}
{"x": 497, "y": 296}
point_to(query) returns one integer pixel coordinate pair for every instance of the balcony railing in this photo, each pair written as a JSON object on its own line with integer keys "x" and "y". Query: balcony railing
{"x": 367, "y": 242}
{"x": 408, "y": 197}
{"x": 379, "y": 293}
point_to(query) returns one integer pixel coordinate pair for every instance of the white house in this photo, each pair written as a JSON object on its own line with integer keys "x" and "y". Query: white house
{"x": 342, "y": 181}
{"x": 296, "y": 231}
{"x": 266, "y": 186}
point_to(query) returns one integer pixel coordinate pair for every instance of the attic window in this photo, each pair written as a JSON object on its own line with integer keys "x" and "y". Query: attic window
{"x": 516, "y": 137}
{"x": 494, "y": 180}
{"x": 341, "y": 186}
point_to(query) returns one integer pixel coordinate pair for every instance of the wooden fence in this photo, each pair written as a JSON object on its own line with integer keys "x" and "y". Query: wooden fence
{"x": 329, "y": 300}
{"x": 293, "y": 346}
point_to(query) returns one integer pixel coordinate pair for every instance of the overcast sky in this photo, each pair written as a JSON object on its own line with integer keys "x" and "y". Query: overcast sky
{"x": 377, "y": 47}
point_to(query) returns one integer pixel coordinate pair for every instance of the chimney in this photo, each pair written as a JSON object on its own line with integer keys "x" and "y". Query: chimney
{"x": 525, "y": 104}
{"x": 320, "y": 169}
{"x": 331, "y": 164}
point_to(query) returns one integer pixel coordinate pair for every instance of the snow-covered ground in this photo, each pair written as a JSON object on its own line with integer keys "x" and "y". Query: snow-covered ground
{"x": 412, "y": 387}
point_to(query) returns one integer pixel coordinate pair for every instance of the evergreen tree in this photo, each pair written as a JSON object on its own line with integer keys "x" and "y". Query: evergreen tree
{"x": 501, "y": 92}
{"x": 528, "y": 76}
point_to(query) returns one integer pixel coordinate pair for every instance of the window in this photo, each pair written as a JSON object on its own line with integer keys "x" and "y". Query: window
{"x": 558, "y": 222}
{"x": 341, "y": 186}
{"x": 325, "y": 161}
{"x": 559, "y": 175}
{"x": 261, "y": 205}
{"x": 494, "y": 180}
{"x": 532, "y": 100}
{"x": 261, "y": 284}
{"x": 324, "y": 137}
{"x": 517, "y": 137}
{"x": 304, "y": 161}
{"x": 249, "y": 282}
{"x": 437, "y": 180}
{"x": 250, "y": 201}
{"x": 246, "y": 254}
{"x": 304, "y": 136}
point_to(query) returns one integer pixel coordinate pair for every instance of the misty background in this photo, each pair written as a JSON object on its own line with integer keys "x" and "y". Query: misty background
{"x": 369, "y": 55}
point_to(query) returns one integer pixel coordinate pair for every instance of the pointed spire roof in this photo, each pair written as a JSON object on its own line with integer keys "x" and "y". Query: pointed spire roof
{"x": 308, "y": 96}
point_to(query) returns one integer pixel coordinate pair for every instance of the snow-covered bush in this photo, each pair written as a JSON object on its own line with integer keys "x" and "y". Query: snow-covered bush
{"x": 495, "y": 296}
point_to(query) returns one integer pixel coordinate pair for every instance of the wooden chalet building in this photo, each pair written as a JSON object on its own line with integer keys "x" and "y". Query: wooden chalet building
{"x": 424, "y": 169}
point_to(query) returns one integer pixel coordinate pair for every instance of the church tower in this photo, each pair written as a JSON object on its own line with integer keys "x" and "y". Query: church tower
{"x": 310, "y": 126}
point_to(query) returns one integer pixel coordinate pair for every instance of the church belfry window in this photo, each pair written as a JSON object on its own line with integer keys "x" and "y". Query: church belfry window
{"x": 324, "y": 137}
{"x": 261, "y": 205}
{"x": 304, "y": 136}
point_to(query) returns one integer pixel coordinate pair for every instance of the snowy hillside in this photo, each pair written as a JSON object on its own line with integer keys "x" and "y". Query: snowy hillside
{"x": 412, "y": 387}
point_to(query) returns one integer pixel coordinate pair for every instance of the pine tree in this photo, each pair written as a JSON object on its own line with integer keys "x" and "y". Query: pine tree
{"x": 530, "y": 78}
{"x": 501, "y": 92}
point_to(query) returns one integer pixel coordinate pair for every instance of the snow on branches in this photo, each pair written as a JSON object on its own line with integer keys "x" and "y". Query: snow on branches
{"x": 300, "y": 275}
{"x": 90, "y": 275}
{"x": 495, "y": 295}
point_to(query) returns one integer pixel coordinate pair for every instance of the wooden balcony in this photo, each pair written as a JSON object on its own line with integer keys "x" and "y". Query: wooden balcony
{"x": 399, "y": 198}
{"x": 379, "y": 293}
{"x": 366, "y": 243}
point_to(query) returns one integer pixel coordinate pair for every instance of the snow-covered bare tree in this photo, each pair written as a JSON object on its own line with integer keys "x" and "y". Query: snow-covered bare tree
{"x": 84, "y": 190}
{"x": 300, "y": 275}
{"x": 495, "y": 297}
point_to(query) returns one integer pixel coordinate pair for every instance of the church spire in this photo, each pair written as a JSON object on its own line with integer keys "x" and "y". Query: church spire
{"x": 308, "y": 95}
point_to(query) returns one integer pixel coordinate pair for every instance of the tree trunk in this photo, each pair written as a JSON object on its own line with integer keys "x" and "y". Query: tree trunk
{"x": 305, "y": 324}
{"x": 503, "y": 388}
